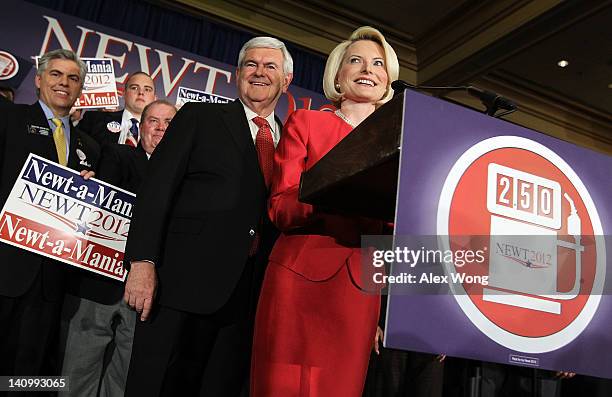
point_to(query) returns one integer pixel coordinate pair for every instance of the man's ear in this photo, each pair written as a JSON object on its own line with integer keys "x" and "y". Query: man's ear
{"x": 287, "y": 81}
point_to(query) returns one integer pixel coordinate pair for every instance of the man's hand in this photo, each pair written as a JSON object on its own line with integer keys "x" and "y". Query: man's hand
{"x": 140, "y": 288}
{"x": 87, "y": 174}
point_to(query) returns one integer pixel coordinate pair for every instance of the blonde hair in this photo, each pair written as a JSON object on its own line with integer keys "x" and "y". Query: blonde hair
{"x": 334, "y": 63}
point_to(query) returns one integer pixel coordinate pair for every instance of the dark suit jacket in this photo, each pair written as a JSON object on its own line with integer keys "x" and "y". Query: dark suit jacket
{"x": 19, "y": 268}
{"x": 125, "y": 167}
{"x": 4, "y": 101}
{"x": 199, "y": 207}
{"x": 95, "y": 123}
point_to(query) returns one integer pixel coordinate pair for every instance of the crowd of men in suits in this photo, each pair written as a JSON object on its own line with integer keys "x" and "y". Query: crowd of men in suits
{"x": 198, "y": 241}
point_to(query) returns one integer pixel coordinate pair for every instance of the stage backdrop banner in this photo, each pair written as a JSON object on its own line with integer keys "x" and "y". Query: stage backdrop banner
{"x": 482, "y": 184}
{"x": 29, "y": 31}
{"x": 54, "y": 212}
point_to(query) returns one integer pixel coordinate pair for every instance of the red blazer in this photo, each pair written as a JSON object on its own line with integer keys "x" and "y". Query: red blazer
{"x": 313, "y": 243}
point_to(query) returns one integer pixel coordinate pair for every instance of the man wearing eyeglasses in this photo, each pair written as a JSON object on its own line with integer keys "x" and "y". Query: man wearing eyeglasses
{"x": 122, "y": 126}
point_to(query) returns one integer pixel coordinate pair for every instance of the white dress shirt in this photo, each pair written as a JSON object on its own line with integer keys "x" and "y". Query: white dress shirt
{"x": 126, "y": 124}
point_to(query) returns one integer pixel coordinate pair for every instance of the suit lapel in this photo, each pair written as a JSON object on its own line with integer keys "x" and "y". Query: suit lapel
{"x": 140, "y": 160}
{"x": 36, "y": 117}
{"x": 238, "y": 126}
{"x": 280, "y": 124}
{"x": 235, "y": 119}
{"x": 73, "y": 159}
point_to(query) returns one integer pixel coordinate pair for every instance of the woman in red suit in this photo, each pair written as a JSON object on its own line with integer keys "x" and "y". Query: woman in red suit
{"x": 315, "y": 325}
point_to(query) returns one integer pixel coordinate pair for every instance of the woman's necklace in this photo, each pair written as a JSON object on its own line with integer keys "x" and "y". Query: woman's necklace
{"x": 343, "y": 117}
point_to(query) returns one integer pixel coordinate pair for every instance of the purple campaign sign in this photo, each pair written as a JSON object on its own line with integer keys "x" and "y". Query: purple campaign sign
{"x": 29, "y": 31}
{"x": 466, "y": 174}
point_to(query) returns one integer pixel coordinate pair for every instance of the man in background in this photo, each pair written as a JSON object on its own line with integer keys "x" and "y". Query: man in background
{"x": 96, "y": 322}
{"x": 122, "y": 126}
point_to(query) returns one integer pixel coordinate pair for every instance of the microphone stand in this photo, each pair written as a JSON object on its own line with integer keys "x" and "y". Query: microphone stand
{"x": 492, "y": 101}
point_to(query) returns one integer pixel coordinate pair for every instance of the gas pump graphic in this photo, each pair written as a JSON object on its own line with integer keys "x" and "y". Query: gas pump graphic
{"x": 545, "y": 256}
{"x": 524, "y": 260}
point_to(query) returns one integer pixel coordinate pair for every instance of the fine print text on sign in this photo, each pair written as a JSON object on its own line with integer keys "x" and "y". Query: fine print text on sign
{"x": 192, "y": 95}
{"x": 54, "y": 212}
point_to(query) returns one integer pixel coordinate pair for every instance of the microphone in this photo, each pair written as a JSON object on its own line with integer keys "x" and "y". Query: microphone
{"x": 492, "y": 101}
{"x": 400, "y": 85}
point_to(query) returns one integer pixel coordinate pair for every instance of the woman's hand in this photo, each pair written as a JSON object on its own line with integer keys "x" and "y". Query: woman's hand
{"x": 565, "y": 374}
{"x": 378, "y": 337}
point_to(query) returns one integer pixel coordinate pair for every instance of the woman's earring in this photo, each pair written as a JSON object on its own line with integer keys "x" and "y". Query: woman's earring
{"x": 337, "y": 87}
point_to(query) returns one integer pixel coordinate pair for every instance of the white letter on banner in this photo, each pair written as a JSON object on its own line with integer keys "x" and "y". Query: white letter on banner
{"x": 11, "y": 228}
{"x": 212, "y": 75}
{"x": 104, "y": 200}
{"x": 37, "y": 171}
{"x": 55, "y": 28}
{"x": 103, "y": 47}
{"x": 81, "y": 255}
{"x": 164, "y": 67}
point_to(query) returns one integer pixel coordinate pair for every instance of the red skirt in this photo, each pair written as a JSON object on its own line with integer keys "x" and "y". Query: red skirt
{"x": 312, "y": 339}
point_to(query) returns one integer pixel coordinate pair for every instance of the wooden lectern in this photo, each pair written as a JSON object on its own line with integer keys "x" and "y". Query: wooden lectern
{"x": 360, "y": 174}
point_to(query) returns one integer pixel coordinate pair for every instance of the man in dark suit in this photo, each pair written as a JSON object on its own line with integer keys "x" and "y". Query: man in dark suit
{"x": 96, "y": 322}
{"x": 197, "y": 229}
{"x": 122, "y": 126}
{"x": 31, "y": 286}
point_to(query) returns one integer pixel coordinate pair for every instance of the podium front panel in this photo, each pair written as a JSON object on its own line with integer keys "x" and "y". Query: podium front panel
{"x": 537, "y": 208}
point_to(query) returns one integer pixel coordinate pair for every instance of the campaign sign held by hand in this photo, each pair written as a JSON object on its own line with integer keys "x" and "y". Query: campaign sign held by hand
{"x": 54, "y": 212}
{"x": 100, "y": 87}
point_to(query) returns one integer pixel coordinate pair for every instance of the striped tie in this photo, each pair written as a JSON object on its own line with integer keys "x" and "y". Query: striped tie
{"x": 60, "y": 141}
{"x": 132, "y": 138}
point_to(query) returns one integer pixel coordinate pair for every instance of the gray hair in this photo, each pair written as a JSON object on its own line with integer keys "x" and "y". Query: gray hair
{"x": 43, "y": 61}
{"x": 154, "y": 103}
{"x": 268, "y": 42}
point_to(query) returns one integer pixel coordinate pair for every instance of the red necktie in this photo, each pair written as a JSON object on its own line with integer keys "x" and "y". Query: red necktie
{"x": 265, "y": 148}
{"x": 265, "y": 154}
